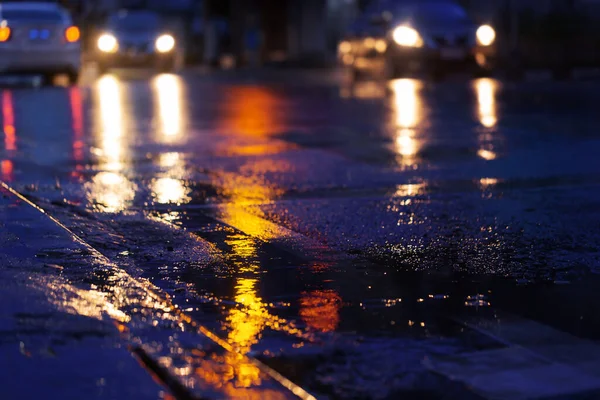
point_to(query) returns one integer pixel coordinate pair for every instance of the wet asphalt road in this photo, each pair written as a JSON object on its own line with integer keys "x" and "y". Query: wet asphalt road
{"x": 346, "y": 232}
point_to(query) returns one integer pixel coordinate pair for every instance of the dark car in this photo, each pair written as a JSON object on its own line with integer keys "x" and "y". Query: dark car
{"x": 406, "y": 36}
{"x": 139, "y": 39}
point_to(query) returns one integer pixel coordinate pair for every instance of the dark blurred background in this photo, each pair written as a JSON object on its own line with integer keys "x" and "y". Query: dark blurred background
{"x": 541, "y": 33}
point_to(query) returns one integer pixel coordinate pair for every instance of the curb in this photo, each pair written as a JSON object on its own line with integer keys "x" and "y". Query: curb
{"x": 163, "y": 303}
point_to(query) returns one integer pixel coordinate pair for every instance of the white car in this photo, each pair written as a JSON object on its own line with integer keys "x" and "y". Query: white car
{"x": 39, "y": 38}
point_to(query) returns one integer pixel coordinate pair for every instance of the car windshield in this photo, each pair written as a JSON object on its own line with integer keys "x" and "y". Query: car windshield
{"x": 135, "y": 21}
{"x": 434, "y": 11}
{"x": 31, "y": 15}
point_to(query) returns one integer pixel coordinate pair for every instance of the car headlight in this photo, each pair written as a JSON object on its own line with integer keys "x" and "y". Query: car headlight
{"x": 108, "y": 43}
{"x": 345, "y": 47}
{"x": 407, "y": 36}
{"x": 486, "y": 35}
{"x": 165, "y": 43}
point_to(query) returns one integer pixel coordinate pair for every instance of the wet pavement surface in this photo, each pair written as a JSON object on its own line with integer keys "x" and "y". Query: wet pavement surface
{"x": 364, "y": 241}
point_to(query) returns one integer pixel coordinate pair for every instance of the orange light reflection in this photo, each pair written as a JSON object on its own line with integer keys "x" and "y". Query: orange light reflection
{"x": 247, "y": 321}
{"x": 7, "y": 169}
{"x": 320, "y": 309}
{"x": 252, "y": 114}
{"x": 252, "y": 111}
{"x": 251, "y": 316}
{"x": 8, "y": 119}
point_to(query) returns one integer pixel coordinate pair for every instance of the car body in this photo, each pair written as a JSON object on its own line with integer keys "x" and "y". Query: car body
{"x": 39, "y": 38}
{"x": 138, "y": 38}
{"x": 406, "y": 36}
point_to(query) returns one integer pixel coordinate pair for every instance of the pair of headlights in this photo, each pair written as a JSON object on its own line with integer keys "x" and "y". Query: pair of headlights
{"x": 409, "y": 37}
{"x": 108, "y": 43}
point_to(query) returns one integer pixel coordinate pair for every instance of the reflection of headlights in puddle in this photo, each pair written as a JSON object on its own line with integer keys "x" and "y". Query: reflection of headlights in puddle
{"x": 168, "y": 91}
{"x": 407, "y": 103}
{"x": 169, "y": 160}
{"x": 409, "y": 190}
{"x": 488, "y": 181}
{"x": 488, "y": 121}
{"x": 408, "y": 112}
{"x": 406, "y": 145}
{"x": 169, "y": 190}
{"x": 111, "y": 112}
{"x": 486, "y": 154}
{"x": 111, "y": 191}
{"x": 364, "y": 90}
{"x": 486, "y": 97}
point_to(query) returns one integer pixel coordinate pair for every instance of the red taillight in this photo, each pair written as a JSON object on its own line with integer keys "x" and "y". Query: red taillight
{"x": 72, "y": 34}
{"x": 4, "y": 33}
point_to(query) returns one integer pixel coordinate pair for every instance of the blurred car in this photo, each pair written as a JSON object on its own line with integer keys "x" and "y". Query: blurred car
{"x": 138, "y": 39}
{"x": 407, "y": 36}
{"x": 39, "y": 38}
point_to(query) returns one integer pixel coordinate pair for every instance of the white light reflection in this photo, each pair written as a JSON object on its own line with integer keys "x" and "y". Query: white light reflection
{"x": 170, "y": 191}
{"x": 406, "y": 102}
{"x": 168, "y": 91}
{"x": 169, "y": 160}
{"x": 169, "y": 187}
{"x": 487, "y": 182}
{"x": 410, "y": 190}
{"x": 486, "y": 90}
{"x": 488, "y": 155}
{"x": 110, "y": 189}
{"x": 405, "y": 144}
{"x": 486, "y": 98}
{"x": 111, "y": 118}
{"x": 407, "y": 109}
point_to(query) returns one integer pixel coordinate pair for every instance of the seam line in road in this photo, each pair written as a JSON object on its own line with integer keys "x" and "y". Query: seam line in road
{"x": 183, "y": 317}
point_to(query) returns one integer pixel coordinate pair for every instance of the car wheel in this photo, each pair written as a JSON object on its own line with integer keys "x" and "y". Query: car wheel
{"x": 167, "y": 68}
{"x": 355, "y": 74}
{"x": 48, "y": 78}
{"x": 482, "y": 72}
{"x": 172, "y": 66}
{"x": 101, "y": 68}
{"x": 437, "y": 72}
{"x": 392, "y": 70}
